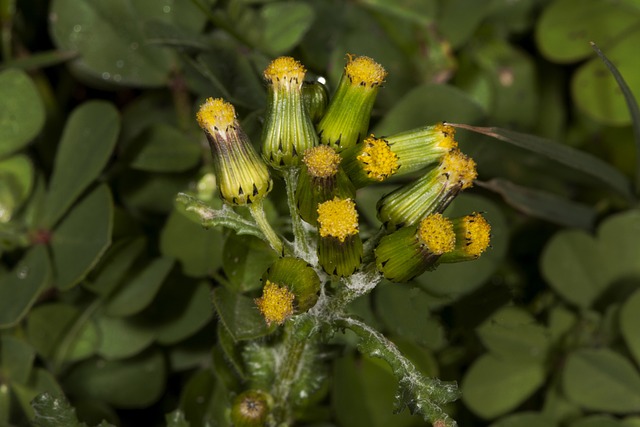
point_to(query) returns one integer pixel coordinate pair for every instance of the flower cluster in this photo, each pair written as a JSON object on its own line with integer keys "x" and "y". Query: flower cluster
{"x": 327, "y": 146}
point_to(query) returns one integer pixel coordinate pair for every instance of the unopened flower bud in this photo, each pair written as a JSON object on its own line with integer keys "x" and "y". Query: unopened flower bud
{"x": 288, "y": 130}
{"x": 412, "y": 250}
{"x": 241, "y": 174}
{"x": 431, "y": 193}
{"x": 347, "y": 118}
{"x": 315, "y": 97}
{"x": 339, "y": 245}
{"x": 251, "y": 408}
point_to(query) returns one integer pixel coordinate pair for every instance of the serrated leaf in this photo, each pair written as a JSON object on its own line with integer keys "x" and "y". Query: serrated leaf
{"x": 53, "y": 411}
{"x": 129, "y": 383}
{"x": 20, "y": 288}
{"x": 87, "y": 142}
{"x": 133, "y": 296}
{"x": 82, "y": 238}
{"x": 239, "y": 315}
{"x": 41, "y": 381}
{"x": 602, "y": 380}
{"x": 22, "y": 111}
{"x": 492, "y": 387}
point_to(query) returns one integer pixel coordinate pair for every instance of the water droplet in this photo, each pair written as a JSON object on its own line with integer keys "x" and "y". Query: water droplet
{"x": 77, "y": 28}
{"x": 166, "y": 9}
{"x": 117, "y": 77}
{"x": 23, "y": 272}
{"x": 106, "y": 75}
{"x": 133, "y": 46}
{"x": 119, "y": 63}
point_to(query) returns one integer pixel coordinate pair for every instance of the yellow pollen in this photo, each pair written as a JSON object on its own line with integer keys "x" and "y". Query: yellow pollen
{"x": 284, "y": 68}
{"x": 460, "y": 168}
{"x": 448, "y": 133}
{"x": 338, "y": 218}
{"x": 276, "y": 303}
{"x": 377, "y": 159}
{"x": 364, "y": 71}
{"x": 322, "y": 161}
{"x": 216, "y": 113}
{"x": 477, "y": 234}
{"x": 436, "y": 232}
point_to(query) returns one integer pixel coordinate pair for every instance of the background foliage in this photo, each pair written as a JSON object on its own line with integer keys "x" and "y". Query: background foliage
{"x": 106, "y": 287}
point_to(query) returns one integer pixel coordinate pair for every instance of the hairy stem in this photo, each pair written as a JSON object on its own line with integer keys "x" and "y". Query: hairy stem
{"x": 257, "y": 212}
{"x": 300, "y": 235}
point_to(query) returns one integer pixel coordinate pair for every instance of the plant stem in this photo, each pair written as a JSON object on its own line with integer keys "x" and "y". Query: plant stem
{"x": 300, "y": 236}
{"x": 257, "y": 212}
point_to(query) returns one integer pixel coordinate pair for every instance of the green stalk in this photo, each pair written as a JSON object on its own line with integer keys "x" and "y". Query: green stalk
{"x": 301, "y": 238}
{"x": 257, "y": 212}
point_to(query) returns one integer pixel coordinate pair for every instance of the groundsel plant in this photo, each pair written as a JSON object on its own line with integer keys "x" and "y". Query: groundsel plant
{"x": 323, "y": 152}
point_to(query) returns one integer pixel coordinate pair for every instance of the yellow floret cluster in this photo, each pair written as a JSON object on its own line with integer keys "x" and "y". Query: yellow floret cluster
{"x": 338, "y": 218}
{"x": 437, "y": 234}
{"x": 378, "y": 161}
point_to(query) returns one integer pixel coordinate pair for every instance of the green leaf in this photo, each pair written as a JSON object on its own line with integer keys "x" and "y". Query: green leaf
{"x": 493, "y": 387}
{"x": 20, "y": 288}
{"x": 458, "y": 27}
{"x": 16, "y": 360}
{"x": 129, "y": 383}
{"x": 22, "y": 111}
{"x": 82, "y": 237}
{"x": 176, "y": 419}
{"x": 135, "y": 295}
{"x": 602, "y": 380}
{"x": 198, "y": 250}
{"x": 404, "y": 312}
{"x": 17, "y": 174}
{"x": 163, "y": 148}
{"x": 363, "y": 394}
{"x": 114, "y": 265}
{"x": 53, "y": 411}
{"x": 5, "y": 405}
{"x": 566, "y": 27}
{"x": 428, "y": 104}
{"x": 563, "y": 154}
{"x": 41, "y": 381}
{"x": 62, "y": 333}
{"x": 244, "y": 261}
{"x": 239, "y": 315}
{"x": 109, "y": 37}
{"x": 418, "y": 12}
{"x": 87, "y": 142}
{"x": 121, "y": 338}
{"x": 195, "y": 399}
{"x": 154, "y": 193}
{"x": 285, "y": 24}
{"x": 632, "y": 106}
{"x": 512, "y": 334}
{"x": 597, "y": 421}
{"x": 456, "y": 280}
{"x": 526, "y": 419}
{"x": 38, "y": 60}
{"x": 629, "y": 321}
{"x": 543, "y": 205}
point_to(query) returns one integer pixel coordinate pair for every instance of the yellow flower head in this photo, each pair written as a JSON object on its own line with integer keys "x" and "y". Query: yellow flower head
{"x": 338, "y": 218}
{"x": 377, "y": 159}
{"x": 364, "y": 71}
{"x": 285, "y": 71}
{"x": 216, "y": 114}
{"x": 276, "y": 303}
{"x": 477, "y": 234}
{"x": 460, "y": 168}
{"x": 322, "y": 161}
{"x": 436, "y": 232}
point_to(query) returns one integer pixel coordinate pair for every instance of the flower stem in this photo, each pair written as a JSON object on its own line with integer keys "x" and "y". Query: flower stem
{"x": 301, "y": 239}
{"x": 257, "y": 212}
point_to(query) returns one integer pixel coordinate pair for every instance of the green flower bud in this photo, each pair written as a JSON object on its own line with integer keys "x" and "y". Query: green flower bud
{"x": 347, "y": 118}
{"x": 410, "y": 251}
{"x": 251, "y": 408}
{"x": 241, "y": 175}
{"x": 339, "y": 243}
{"x": 299, "y": 278}
{"x": 288, "y": 131}
{"x": 376, "y": 159}
{"x": 320, "y": 179}
{"x": 432, "y": 193}
{"x": 315, "y": 97}
{"x": 473, "y": 234}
